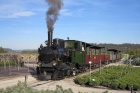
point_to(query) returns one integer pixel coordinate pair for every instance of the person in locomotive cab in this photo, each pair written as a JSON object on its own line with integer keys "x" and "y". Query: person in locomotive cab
{"x": 46, "y": 42}
{"x": 39, "y": 49}
{"x": 83, "y": 49}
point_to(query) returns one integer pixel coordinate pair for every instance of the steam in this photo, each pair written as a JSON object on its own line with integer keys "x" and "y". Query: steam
{"x": 53, "y": 12}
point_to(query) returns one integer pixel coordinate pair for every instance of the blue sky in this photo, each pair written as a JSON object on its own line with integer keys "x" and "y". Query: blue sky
{"x": 23, "y": 22}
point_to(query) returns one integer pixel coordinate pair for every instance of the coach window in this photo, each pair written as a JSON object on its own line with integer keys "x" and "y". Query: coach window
{"x": 76, "y": 45}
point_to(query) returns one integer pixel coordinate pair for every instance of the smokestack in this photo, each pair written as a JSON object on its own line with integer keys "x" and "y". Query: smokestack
{"x": 50, "y": 34}
{"x": 52, "y": 15}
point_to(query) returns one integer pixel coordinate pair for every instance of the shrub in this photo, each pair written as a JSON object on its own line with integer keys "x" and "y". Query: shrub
{"x": 129, "y": 85}
{"x": 136, "y": 87}
{"x": 81, "y": 80}
{"x": 105, "y": 92}
{"x": 115, "y": 84}
{"x": 114, "y": 76}
{"x": 118, "y": 77}
{"x": 23, "y": 88}
{"x": 122, "y": 85}
{"x": 138, "y": 63}
{"x": 95, "y": 83}
{"x": 106, "y": 83}
{"x": 102, "y": 78}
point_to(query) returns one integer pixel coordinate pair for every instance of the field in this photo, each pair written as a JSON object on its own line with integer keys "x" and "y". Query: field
{"x": 116, "y": 77}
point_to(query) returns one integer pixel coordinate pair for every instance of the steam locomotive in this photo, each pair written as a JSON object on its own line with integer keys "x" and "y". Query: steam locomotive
{"x": 61, "y": 58}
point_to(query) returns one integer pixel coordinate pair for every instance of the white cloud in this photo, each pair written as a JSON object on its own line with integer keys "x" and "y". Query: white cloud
{"x": 72, "y": 3}
{"x": 68, "y": 12}
{"x": 97, "y": 3}
{"x": 19, "y": 8}
{"x": 65, "y": 12}
{"x": 17, "y": 14}
{"x": 20, "y": 14}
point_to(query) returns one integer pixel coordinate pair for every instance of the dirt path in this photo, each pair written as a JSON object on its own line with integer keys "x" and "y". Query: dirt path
{"x": 68, "y": 83}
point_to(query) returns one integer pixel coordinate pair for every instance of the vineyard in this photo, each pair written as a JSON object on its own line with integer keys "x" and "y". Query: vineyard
{"x": 116, "y": 77}
{"x": 12, "y": 64}
{"x": 16, "y": 58}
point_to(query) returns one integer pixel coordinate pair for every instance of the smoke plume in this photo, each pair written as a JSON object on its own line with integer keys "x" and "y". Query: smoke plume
{"x": 53, "y": 12}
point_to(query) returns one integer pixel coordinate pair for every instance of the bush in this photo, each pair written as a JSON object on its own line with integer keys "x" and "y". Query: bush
{"x": 129, "y": 85}
{"x": 95, "y": 83}
{"x": 81, "y": 80}
{"x": 119, "y": 74}
{"x": 105, "y": 92}
{"x": 122, "y": 85}
{"x": 136, "y": 87}
{"x": 138, "y": 63}
{"x": 115, "y": 84}
{"x": 106, "y": 83}
{"x": 114, "y": 76}
{"x": 2, "y": 90}
{"x": 23, "y": 88}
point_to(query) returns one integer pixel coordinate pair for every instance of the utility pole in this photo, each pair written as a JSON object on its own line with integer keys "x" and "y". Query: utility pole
{"x": 100, "y": 67}
{"x": 90, "y": 69}
{"x": 100, "y": 63}
{"x": 90, "y": 63}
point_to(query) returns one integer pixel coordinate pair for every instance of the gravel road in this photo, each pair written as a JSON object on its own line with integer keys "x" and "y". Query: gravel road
{"x": 14, "y": 80}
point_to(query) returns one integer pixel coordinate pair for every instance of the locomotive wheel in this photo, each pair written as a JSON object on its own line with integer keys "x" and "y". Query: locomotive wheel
{"x": 68, "y": 73}
{"x": 86, "y": 69}
{"x": 55, "y": 75}
{"x": 41, "y": 76}
{"x": 44, "y": 76}
{"x": 62, "y": 73}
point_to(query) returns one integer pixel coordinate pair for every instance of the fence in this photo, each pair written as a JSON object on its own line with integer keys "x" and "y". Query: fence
{"x": 17, "y": 64}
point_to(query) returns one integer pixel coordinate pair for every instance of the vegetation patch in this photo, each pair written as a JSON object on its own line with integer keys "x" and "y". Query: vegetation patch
{"x": 116, "y": 77}
{"x": 3, "y": 64}
{"x": 22, "y": 87}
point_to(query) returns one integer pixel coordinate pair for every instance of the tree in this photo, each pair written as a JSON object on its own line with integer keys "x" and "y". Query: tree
{"x": 3, "y": 50}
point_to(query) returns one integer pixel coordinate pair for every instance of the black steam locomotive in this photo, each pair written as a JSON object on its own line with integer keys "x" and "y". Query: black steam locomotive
{"x": 60, "y": 58}
{"x": 54, "y": 60}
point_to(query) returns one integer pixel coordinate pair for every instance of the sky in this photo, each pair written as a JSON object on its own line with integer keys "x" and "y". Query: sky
{"x": 23, "y": 22}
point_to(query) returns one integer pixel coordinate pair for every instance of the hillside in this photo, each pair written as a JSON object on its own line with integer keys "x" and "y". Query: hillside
{"x": 122, "y": 47}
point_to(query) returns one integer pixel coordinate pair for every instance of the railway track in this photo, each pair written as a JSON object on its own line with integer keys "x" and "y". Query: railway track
{"x": 38, "y": 83}
{"x": 67, "y": 83}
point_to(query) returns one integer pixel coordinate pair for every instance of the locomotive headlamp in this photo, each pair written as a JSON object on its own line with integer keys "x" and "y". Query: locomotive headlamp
{"x": 74, "y": 73}
{"x": 54, "y": 64}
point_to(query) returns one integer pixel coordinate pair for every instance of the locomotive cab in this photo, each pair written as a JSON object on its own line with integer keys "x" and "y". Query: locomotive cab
{"x": 79, "y": 54}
